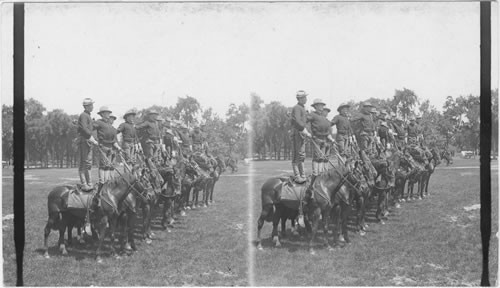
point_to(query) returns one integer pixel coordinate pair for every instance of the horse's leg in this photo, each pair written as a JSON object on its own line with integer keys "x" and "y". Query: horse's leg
{"x": 112, "y": 228}
{"x": 70, "y": 233}
{"x": 315, "y": 224}
{"x": 260, "y": 223}
{"x": 361, "y": 217}
{"x": 146, "y": 214}
{"x": 276, "y": 220}
{"x": 283, "y": 225}
{"x": 50, "y": 223}
{"x": 131, "y": 217}
{"x": 102, "y": 234}
{"x": 345, "y": 211}
{"x": 62, "y": 231}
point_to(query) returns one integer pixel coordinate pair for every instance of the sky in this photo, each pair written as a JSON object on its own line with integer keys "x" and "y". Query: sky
{"x": 137, "y": 55}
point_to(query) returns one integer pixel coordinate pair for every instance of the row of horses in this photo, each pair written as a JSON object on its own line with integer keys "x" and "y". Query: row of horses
{"x": 145, "y": 185}
{"x": 346, "y": 189}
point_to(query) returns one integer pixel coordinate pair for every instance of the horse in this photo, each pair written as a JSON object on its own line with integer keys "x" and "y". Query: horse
{"x": 232, "y": 162}
{"x": 434, "y": 160}
{"x": 104, "y": 209}
{"x": 171, "y": 191}
{"x": 219, "y": 168}
{"x": 329, "y": 194}
{"x": 447, "y": 156}
{"x": 201, "y": 183}
{"x": 360, "y": 193}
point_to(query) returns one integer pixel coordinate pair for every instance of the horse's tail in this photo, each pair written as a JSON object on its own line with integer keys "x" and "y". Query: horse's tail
{"x": 268, "y": 212}
{"x": 269, "y": 197}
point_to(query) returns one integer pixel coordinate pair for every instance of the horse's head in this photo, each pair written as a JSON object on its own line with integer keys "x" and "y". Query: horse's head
{"x": 221, "y": 163}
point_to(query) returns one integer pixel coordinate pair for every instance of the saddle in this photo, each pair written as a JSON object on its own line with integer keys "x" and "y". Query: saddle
{"x": 293, "y": 191}
{"x": 77, "y": 201}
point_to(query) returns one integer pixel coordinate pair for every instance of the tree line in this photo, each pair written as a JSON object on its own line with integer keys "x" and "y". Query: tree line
{"x": 456, "y": 127}
{"x": 50, "y": 135}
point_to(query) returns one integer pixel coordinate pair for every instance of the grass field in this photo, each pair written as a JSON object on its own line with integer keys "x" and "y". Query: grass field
{"x": 432, "y": 242}
{"x": 207, "y": 247}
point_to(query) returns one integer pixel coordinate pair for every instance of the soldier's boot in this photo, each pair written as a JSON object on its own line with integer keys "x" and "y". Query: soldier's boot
{"x": 88, "y": 178}
{"x": 302, "y": 176}
{"x": 102, "y": 179}
{"x": 83, "y": 183}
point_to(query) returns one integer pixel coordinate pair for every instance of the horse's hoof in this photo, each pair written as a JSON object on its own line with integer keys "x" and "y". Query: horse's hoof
{"x": 188, "y": 208}
{"x": 64, "y": 252}
{"x": 204, "y": 206}
{"x": 168, "y": 230}
{"x": 171, "y": 222}
{"x": 183, "y": 213}
{"x": 362, "y": 233}
{"x": 149, "y": 241}
{"x": 259, "y": 247}
{"x": 118, "y": 257}
{"x": 419, "y": 198}
{"x": 99, "y": 260}
{"x": 366, "y": 225}
{"x": 46, "y": 255}
{"x": 331, "y": 249}
{"x": 312, "y": 252}
{"x": 382, "y": 222}
{"x": 397, "y": 206}
{"x": 341, "y": 238}
{"x": 403, "y": 200}
{"x": 278, "y": 244}
{"x": 275, "y": 239}
{"x": 127, "y": 247}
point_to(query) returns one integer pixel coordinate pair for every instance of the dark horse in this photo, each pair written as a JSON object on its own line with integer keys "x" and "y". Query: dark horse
{"x": 104, "y": 210}
{"x": 329, "y": 196}
{"x": 232, "y": 162}
{"x": 219, "y": 168}
{"x": 172, "y": 175}
{"x": 434, "y": 160}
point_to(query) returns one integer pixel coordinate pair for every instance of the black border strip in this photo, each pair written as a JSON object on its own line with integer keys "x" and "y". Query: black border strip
{"x": 485, "y": 142}
{"x": 18, "y": 121}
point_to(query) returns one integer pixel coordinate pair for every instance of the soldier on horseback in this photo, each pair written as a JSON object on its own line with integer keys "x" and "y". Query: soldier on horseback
{"x": 320, "y": 128}
{"x": 366, "y": 133}
{"x": 344, "y": 130}
{"x": 129, "y": 136}
{"x": 197, "y": 139}
{"x": 299, "y": 133}
{"x": 85, "y": 141}
{"x": 150, "y": 133}
{"x": 106, "y": 137}
{"x": 413, "y": 131}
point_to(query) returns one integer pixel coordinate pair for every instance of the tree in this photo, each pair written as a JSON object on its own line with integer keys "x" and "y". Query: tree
{"x": 404, "y": 101}
{"x": 187, "y": 109}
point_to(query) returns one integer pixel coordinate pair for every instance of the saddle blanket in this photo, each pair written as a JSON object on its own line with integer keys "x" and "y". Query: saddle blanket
{"x": 79, "y": 200}
{"x": 292, "y": 191}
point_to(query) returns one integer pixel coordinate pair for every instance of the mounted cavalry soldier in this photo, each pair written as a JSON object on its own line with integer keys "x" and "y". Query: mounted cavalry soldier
{"x": 85, "y": 141}
{"x": 365, "y": 133}
{"x": 106, "y": 137}
{"x": 400, "y": 132}
{"x": 344, "y": 130}
{"x": 299, "y": 133}
{"x": 420, "y": 136}
{"x": 197, "y": 139}
{"x": 412, "y": 130}
{"x": 186, "y": 140}
{"x": 129, "y": 136}
{"x": 169, "y": 137}
{"x": 320, "y": 128}
{"x": 150, "y": 135}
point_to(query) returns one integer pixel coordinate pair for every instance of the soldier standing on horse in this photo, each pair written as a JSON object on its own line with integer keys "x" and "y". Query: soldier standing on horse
{"x": 129, "y": 136}
{"x": 343, "y": 129}
{"x": 365, "y": 136}
{"x": 412, "y": 129}
{"x": 85, "y": 141}
{"x": 169, "y": 135}
{"x": 106, "y": 137}
{"x": 186, "y": 140}
{"x": 197, "y": 139}
{"x": 420, "y": 130}
{"x": 150, "y": 133}
{"x": 320, "y": 128}
{"x": 400, "y": 133}
{"x": 299, "y": 133}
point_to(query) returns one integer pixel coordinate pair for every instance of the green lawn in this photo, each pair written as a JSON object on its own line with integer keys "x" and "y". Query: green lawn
{"x": 433, "y": 242}
{"x": 206, "y": 248}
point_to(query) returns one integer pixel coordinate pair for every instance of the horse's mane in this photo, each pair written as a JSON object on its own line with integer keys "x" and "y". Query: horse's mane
{"x": 116, "y": 180}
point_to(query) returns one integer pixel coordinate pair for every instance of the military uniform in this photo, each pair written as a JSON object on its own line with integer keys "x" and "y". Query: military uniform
{"x": 412, "y": 130}
{"x": 106, "y": 137}
{"x": 197, "y": 139}
{"x": 320, "y": 130}
{"x": 169, "y": 135}
{"x": 400, "y": 134}
{"x": 186, "y": 141}
{"x": 129, "y": 138}
{"x": 366, "y": 135}
{"x": 85, "y": 140}
{"x": 299, "y": 131}
{"x": 343, "y": 131}
{"x": 150, "y": 139}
